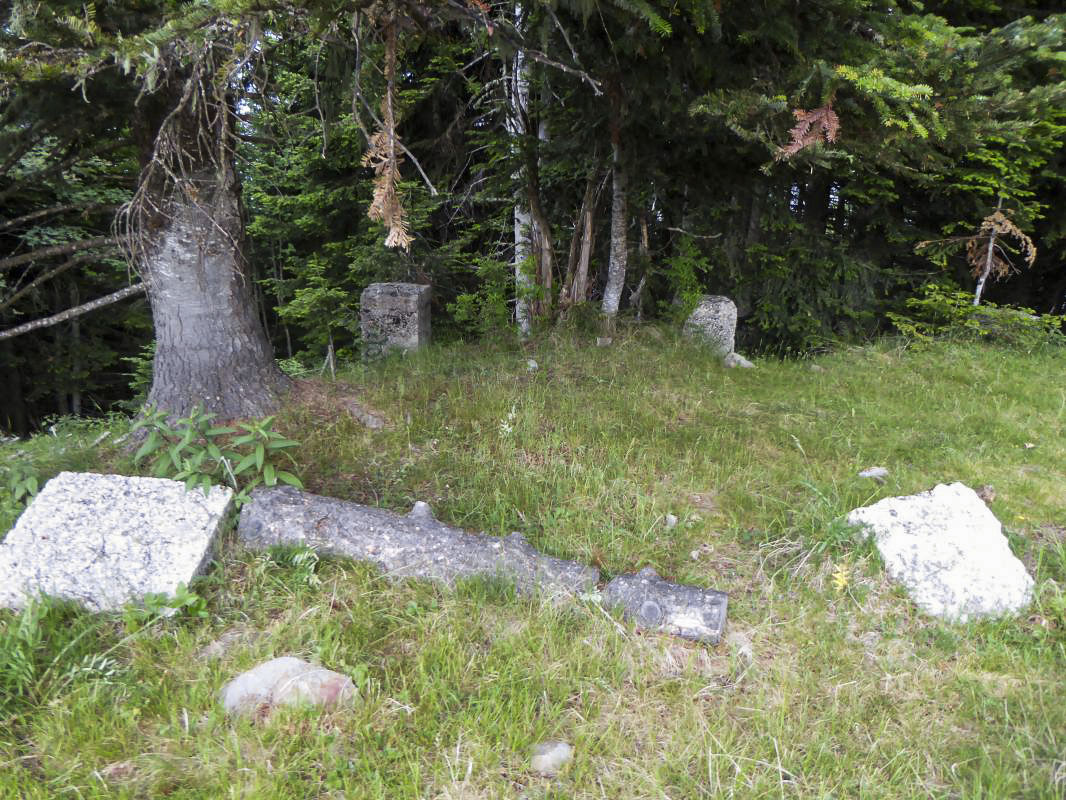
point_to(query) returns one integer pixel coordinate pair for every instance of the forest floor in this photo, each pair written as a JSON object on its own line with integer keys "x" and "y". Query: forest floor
{"x": 830, "y": 683}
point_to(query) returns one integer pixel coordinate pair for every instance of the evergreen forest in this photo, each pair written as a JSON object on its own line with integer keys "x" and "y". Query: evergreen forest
{"x": 180, "y": 178}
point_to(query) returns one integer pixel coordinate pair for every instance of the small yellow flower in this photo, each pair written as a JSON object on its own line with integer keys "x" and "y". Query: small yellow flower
{"x": 841, "y": 577}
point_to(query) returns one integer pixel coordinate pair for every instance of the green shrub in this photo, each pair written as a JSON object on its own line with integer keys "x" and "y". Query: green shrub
{"x": 487, "y": 310}
{"x": 942, "y": 311}
{"x": 686, "y": 272}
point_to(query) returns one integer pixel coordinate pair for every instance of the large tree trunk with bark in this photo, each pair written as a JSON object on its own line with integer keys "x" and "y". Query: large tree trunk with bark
{"x": 211, "y": 349}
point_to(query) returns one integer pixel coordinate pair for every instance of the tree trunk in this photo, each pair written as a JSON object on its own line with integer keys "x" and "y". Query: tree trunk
{"x": 211, "y": 349}
{"x": 616, "y": 267}
{"x": 13, "y": 415}
{"x": 518, "y": 106}
{"x": 817, "y": 197}
{"x": 75, "y": 347}
{"x": 575, "y": 286}
{"x": 542, "y": 234}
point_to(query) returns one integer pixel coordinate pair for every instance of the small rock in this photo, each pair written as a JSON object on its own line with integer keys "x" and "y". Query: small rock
{"x": 987, "y": 493}
{"x": 694, "y": 555}
{"x": 285, "y": 681}
{"x": 364, "y": 415}
{"x": 421, "y": 510}
{"x": 226, "y": 642}
{"x": 550, "y": 757}
{"x": 737, "y": 360}
{"x": 740, "y": 646}
{"x": 531, "y": 365}
{"x": 817, "y": 368}
{"x": 877, "y": 473}
{"x": 670, "y": 521}
{"x": 603, "y": 341}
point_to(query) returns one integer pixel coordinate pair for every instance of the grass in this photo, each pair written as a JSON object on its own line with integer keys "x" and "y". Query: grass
{"x": 847, "y": 692}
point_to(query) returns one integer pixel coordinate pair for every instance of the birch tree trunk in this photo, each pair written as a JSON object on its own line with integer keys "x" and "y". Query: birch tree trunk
{"x": 616, "y": 267}
{"x": 983, "y": 279}
{"x": 518, "y": 107}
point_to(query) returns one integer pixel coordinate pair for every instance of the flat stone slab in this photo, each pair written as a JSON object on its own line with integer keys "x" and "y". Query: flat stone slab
{"x": 414, "y": 545}
{"x": 657, "y": 605}
{"x": 107, "y": 540}
{"x": 948, "y": 550}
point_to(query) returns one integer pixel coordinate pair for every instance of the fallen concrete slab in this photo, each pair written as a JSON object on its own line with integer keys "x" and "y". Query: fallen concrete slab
{"x": 657, "y": 605}
{"x": 107, "y": 540}
{"x": 414, "y": 545}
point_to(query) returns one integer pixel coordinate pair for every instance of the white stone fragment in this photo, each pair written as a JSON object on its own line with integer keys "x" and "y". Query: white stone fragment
{"x": 670, "y": 520}
{"x": 876, "y": 473}
{"x": 947, "y": 548}
{"x": 107, "y": 540}
{"x": 550, "y": 757}
{"x": 737, "y": 360}
{"x": 285, "y": 681}
{"x": 531, "y": 365}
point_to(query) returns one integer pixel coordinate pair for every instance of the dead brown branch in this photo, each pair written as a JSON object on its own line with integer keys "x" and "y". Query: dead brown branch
{"x": 811, "y": 127}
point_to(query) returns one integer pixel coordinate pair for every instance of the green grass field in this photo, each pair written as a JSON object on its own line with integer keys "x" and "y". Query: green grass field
{"x": 830, "y": 684}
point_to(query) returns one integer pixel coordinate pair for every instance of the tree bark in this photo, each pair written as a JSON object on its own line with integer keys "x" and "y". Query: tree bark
{"x": 211, "y": 349}
{"x": 616, "y": 268}
{"x": 575, "y": 286}
{"x": 516, "y": 129}
{"x": 542, "y": 234}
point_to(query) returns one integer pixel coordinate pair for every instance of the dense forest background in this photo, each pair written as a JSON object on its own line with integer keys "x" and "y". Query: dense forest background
{"x": 818, "y": 162}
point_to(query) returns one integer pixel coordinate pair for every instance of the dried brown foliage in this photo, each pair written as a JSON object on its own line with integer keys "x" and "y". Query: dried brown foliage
{"x": 811, "y": 127}
{"x": 384, "y": 156}
{"x": 983, "y": 252}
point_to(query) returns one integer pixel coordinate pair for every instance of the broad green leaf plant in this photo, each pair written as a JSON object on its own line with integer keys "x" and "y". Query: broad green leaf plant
{"x": 193, "y": 450}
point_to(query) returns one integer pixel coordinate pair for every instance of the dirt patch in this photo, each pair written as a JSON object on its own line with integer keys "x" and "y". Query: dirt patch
{"x": 327, "y": 400}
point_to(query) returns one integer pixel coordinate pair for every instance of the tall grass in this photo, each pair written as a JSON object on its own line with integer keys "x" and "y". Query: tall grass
{"x": 830, "y": 684}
